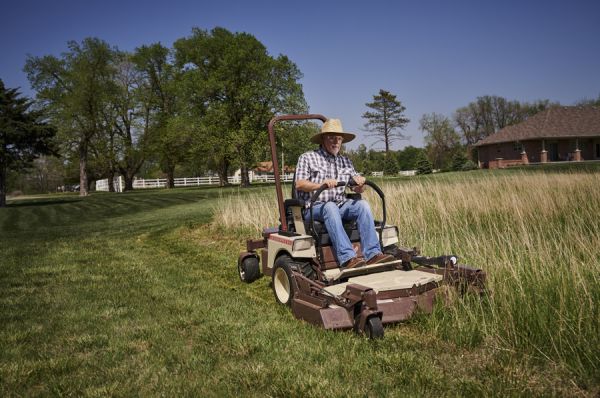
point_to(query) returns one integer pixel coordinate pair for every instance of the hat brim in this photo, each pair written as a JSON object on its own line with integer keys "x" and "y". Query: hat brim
{"x": 346, "y": 137}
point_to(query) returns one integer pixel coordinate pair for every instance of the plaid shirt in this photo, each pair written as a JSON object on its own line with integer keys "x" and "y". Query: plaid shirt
{"x": 319, "y": 165}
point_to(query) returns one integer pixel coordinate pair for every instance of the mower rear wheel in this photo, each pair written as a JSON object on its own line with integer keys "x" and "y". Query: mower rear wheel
{"x": 249, "y": 270}
{"x": 283, "y": 284}
{"x": 374, "y": 328}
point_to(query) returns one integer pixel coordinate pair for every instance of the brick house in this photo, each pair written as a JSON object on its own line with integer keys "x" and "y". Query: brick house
{"x": 566, "y": 133}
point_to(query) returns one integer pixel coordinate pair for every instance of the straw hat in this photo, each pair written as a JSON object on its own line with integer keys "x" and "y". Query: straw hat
{"x": 332, "y": 126}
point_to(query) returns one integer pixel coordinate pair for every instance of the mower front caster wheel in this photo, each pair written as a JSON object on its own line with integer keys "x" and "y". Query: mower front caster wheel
{"x": 249, "y": 270}
{"x": 374, "y": 328}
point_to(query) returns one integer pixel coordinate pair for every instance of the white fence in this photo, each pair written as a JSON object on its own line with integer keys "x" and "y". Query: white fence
{"x": 119, "y": 183}
{"x": 140, "y": 183}
{"x": 405, "y": 173}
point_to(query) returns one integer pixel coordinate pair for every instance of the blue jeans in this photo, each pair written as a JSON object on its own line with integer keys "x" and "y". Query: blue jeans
{"x": 352, "y": 210}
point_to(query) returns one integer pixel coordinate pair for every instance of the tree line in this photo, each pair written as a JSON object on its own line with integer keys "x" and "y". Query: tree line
{"x": 448, "y": 140}
{"x": 202, "y": 104}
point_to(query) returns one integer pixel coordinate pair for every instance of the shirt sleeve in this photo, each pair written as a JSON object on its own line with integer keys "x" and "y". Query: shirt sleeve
{"x": 303, "y": 168}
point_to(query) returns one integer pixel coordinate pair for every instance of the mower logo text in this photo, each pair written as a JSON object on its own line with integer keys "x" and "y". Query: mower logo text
{"x": 280, "y": 240}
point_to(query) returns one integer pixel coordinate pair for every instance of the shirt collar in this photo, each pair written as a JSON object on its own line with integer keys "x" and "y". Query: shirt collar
{"x": 326, "y": 154}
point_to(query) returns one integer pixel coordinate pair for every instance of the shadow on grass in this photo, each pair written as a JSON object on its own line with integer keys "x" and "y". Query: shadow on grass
{"x": 37, "y": 202}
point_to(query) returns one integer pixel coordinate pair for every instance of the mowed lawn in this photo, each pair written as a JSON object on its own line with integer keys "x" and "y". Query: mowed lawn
{"x": 137, "y": 294}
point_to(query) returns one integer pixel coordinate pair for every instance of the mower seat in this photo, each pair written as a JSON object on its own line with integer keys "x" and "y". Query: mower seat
{"x": 298, "y": 221}
{"x": 295, "y": 212}
{"x": 350, "y": 228}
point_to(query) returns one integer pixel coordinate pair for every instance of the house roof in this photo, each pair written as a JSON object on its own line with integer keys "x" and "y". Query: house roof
{"x": 557, "y": 122}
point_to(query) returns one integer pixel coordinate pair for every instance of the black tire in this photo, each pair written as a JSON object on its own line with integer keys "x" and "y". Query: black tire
{"x": 283, "y": 282}
{"x": 305, "y": 268}
{"x": 249, "y": 270}
{"x": 374, "y": 328}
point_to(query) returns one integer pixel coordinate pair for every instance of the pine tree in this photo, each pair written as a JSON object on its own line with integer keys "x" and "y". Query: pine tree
{"x": 458, "y": 161}
{"x": 387, "y": 118}
{"x": 23, "y": 137}
{"x": 424, "y": 166}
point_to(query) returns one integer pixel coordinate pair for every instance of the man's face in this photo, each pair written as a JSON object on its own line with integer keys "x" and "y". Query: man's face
{"x": 332, "y": 143}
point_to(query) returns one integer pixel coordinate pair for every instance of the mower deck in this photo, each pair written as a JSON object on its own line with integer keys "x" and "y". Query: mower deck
{"x": 339, "y": 273}
{"x": 387, "y": 281}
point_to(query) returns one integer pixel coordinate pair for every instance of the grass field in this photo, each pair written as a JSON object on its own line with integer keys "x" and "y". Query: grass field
{"x": 137, "y": 294}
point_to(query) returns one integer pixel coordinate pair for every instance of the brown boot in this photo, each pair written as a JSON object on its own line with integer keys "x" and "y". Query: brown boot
{"x": 380, "y": 258}
{"x": 354, "y": 263}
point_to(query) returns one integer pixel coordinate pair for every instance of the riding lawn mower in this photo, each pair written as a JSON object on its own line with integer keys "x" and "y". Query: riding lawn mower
{"x": 298, "y": 257}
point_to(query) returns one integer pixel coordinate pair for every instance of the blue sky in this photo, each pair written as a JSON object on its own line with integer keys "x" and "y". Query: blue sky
{"x": 436, "y": 56}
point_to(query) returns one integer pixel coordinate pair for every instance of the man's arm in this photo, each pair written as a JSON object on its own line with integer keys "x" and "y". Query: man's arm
{"x": 303, "y": 172}
{"x": 308, "y": 186}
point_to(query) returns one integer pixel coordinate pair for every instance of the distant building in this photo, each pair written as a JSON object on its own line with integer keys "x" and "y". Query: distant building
{"x": 568, "y": 133}
{"x": 263, "y": 168}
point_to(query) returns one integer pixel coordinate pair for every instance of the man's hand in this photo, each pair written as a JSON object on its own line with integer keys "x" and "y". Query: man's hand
{"x": 360, "y": 183}
{"x": 331, "y": 183}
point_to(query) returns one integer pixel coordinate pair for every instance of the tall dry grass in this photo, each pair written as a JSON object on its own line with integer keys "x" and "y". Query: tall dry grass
{"x": 536, "y": 235}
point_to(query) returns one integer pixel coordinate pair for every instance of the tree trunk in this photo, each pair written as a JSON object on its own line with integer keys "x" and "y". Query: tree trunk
{"x": 171, "y": 177}
{"x": 128, "y": 181}
{"x": 223, "y": 172}
{"x": 111, "y": 181}
{"x": 83, "y": 177}
{"x": 245, "y": 182}
{"x": 2, "y": 185}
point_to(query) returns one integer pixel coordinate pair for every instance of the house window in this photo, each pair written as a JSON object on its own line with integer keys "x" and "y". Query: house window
{"x": 518, "y": 147}
{"x": 598, "y": 150}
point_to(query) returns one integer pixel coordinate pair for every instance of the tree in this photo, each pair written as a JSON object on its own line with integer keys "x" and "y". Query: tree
{"x": 293, "y": 139}
{"x": 488, "y": 114}
{"x": 407, "y": 158}
{"x": 423, "y": 165}
{"x": 234, "y": 87}
{"x": 458, "y": 161}
{"x": 386, "y": 119}
{"x": 441, "y": 140}
{"x": 24, "y": 136}
{"x": 76, "y": 89}
{"x": 128, "y": 120}
{"x": 359, "y": 158}
{"x": 169, "y": 129}
{"x": 390, "y": 167}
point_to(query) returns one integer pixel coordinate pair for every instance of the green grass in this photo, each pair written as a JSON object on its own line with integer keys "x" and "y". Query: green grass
{"x": 138, "y": 294}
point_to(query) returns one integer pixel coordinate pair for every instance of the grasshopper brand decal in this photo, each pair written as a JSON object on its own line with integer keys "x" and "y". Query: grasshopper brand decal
{"x": 280, "y": 240}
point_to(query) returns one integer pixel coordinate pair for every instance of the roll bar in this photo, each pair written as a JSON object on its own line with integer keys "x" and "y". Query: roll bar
{"x": 276, "y": 163}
